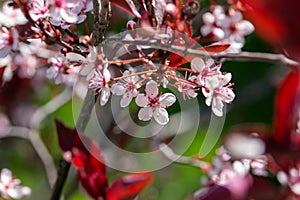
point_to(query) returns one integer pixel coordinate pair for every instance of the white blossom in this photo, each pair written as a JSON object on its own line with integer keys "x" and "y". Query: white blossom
{"x": 153, "y": 104}
{"x": 10, "y": 186}
{"x": 217, "y": 91}
{"x": 127, "y": 88}
{"x": 100, "y": 83}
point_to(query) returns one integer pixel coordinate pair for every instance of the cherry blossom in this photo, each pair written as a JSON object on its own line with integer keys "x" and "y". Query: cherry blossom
{"x": 8, "y": 41}
{"x": 127, "y": 88}
{"x": 235, "y": 178}
{"x": 10, "y": 186}
{"x": 217, "y": 91}
{"x": 187, "y": 90}
{"x": 10, "y": 16}
{"x": 203, "y": 69}
{"x": 56, "y": 69}
{"x": 226, "y": 28}
{"x": 100, "y": 83}
{"x": 153, "y": 104}
{"x": 39, "y": 9}
{"x": 291, "y": 179}
{"x": 65, "y": 13}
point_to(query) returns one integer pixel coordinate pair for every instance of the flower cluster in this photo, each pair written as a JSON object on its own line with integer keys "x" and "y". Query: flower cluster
{"x": 10, "y": 187}
{"x": 235, "y": 165}
{"x": 226, "y": 27}
{"x": 61, "y": 12}
{"x": 290, "y": 179}
{"x": 202, "y": 74}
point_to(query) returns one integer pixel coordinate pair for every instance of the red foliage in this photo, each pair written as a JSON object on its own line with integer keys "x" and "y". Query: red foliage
{"x": 277, "y": 21}
{"x": 177, "y": 60}
{"x": 129, "y": 186}
{"x": 86, "y": 157}
{"x": 287, "y": 108}
{"x": 128, "y": 6}
{"x": 1, "y": 75}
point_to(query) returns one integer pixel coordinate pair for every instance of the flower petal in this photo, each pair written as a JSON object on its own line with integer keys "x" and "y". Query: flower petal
{"x": 217, "y": 107}
{"x": 104, "y": 96}
{"x": 145, "y": 114}
{"x": 151, "y": 89}
{"x": 167, "y": 100}
{"x": 106, "y": 74}
{"x": 6, "y": 176}
{"x": 118, "y": 89}
{"x": 161, "y": 116}
{"x": 19, "y": 192}
{"x": 125, "y": 101}
{"x": 197, "y": 64}
{"x": 141, "y": 100}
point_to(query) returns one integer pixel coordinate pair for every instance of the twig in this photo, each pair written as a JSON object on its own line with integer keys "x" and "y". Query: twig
{"x": 50, "y": 107}
{"x": 39, "y": 147}
{"x": 183, "y": 51}
{"x": 84, "y": 116}
{"x": 169, "y": 153}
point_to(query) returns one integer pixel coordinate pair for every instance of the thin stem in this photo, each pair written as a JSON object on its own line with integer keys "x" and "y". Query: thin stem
{"x": 124, "y": 62}
{"x": 169, "y": 153}
{"x": 184, "y": 51}
{"x": 39, "y": 147}
{"x": 82, "y": 121}
{"x": 134, "y": 74}
{"x": 49, "y": 108}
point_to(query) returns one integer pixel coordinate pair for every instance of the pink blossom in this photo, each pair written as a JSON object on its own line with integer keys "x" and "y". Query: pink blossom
{"x": 291, "y": 179}
{"x": 217, "y": 91}
{"x": 56, "y": 69}
{"x": 153, "y": 104}
{"x": 187, "y": 90}
{"x": 10, "y": 16}
{"x": 127, "y": 88}
{"x": 39, "y": 9}
{"x": 66, "y": 12}
{"x": 100, "y": 83}
{"x": 226, "y": 28}
{"x": 203, "y": 69}
{"x": 10, "y": 186}
{"x": 8, "y": 41}
{"x": 235, "y": 178}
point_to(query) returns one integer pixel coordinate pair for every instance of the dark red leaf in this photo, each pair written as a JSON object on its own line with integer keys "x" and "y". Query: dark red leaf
{"x": 286, "y": 111}
{"x": 128, "y": 6}
{"x": 177, "y": 60}
{"x": 277, "y": 21}
{"x": 86, "y": 157}
{"x": 1, "y": 75}
{"x": 129, "y": 186}
{"x": 215, "y": 48}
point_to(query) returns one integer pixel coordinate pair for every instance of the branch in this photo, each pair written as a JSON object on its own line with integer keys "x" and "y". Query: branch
{"x": 102, "y": 15}
{"x": 184, "y": 51}
{"x": 50, "y": 107}
{"x": 39, "y": 147}
{"x": 64, "y": 166}
{"x": 169, "y": 153}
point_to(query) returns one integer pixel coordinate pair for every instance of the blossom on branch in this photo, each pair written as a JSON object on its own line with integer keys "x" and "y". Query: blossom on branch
{"x": 226, "y": 28}
{"x": 100, "y": 83}
{"x": 153, "y": 104}
{"x": 217, "y": 91}
{"x": 10, "y": 187}
{"x": 127, "y": 88}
